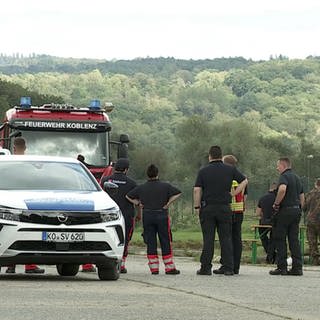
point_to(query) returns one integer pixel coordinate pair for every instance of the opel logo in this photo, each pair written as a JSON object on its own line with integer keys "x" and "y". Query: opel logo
{"x": 62, "y": 218}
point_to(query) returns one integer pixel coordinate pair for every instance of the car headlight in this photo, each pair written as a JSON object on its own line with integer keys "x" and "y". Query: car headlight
{"x": 111, "y": 214}
{"x": 10, "y": 214}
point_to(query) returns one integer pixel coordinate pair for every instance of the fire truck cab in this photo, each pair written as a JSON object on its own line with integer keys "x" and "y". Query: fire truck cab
{"x": 65, "y": 130}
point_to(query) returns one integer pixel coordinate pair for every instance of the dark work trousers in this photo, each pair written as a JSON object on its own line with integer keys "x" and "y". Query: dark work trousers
{"x": 237, "y": 240}
{"x": 286, "y": 225}
{"x": 157, "y": 222}
{"x": 268, "y": 244}
{"x": 218, "y": 217}
{"x": 129, "y": 223}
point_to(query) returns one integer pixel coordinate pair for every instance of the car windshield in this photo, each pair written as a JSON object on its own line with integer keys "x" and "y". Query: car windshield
{"x": 45, "y": 175}
{"x": 93, "y": 146}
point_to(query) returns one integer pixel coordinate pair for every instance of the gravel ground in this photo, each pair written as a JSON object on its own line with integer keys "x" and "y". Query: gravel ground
{"x": 253, "y": 294}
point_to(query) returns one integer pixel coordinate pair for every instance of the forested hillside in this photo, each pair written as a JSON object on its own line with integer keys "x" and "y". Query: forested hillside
{"x": 174, "y": 110}
{"x": 155, "y": 66}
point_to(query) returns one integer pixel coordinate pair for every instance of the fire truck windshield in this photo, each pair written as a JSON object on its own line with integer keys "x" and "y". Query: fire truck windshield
{"x": 93, "y": 146}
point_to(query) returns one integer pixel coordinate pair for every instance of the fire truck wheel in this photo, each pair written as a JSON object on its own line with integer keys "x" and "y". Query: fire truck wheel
{"x": 109, "y": 272}
{"x": 67, "y": 270}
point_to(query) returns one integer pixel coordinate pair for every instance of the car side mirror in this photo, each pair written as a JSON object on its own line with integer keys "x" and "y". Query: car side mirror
{"x": 110, "y": 188}
{"x": 123, "y": 150}
{"x": 123, "y": 146}
{"x": 124, "y": 138}
{"x": 4, "y": 151}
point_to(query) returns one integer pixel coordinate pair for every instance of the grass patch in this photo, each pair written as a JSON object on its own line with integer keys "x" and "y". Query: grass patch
{"x": 187, "y": 238}
{"x": 191, "y": 238}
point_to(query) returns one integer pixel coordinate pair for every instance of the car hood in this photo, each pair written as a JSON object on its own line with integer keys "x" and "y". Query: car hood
{"x": 56, "y": 200}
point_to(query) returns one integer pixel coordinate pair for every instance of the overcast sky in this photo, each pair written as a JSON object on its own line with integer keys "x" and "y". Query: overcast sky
{"x": 128, "y": 29}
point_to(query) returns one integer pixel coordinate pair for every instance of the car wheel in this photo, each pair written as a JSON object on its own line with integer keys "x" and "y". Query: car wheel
{"x": 68, "y": 269}
{"x": 109, "y": 272}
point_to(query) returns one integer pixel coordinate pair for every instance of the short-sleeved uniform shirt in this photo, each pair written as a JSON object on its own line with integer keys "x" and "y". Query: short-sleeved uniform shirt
{"x": 265, "y": 204}
{"x": 215, "y": 179}
{"x": 154, "y": 194}
{"x": 294, "y": 188}
{"x": 125, "y": 184}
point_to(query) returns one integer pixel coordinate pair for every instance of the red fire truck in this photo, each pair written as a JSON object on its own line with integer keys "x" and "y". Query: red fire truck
{"x": 65, "y": 130}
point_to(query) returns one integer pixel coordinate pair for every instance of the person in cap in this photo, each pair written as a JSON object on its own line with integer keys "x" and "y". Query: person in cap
{"x": 155, "y": 197}
{"x": 125, "y": 184}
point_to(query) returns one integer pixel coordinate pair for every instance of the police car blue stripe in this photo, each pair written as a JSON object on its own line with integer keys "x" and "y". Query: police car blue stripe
{"x": 60, "y": 204}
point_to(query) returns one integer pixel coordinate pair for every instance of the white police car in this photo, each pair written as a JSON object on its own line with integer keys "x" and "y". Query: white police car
{"x": 52, "y": 211}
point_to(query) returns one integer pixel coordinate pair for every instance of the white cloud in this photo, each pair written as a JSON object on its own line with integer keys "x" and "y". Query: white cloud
{"x": 183, "y": 29}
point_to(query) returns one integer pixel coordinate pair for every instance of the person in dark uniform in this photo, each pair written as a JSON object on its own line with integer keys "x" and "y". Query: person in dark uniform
{"x": 237, "y": 208}
{"x": 212, "y": 198}
{"x": 155, "y": 197}
{"x": 125, "y": 184}
{"x": 287, "y": 215}
{"x": 264, "y": 211}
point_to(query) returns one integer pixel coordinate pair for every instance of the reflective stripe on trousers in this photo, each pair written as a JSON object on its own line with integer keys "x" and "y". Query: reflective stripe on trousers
{"x": 153, "y": 262}
{"x": 123, "y": 263}
{"x": 168, "y": 262}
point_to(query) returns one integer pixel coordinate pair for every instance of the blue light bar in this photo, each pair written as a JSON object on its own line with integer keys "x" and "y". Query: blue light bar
{"x": 25, "y": 102}
{"x": 95, "y": 105}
